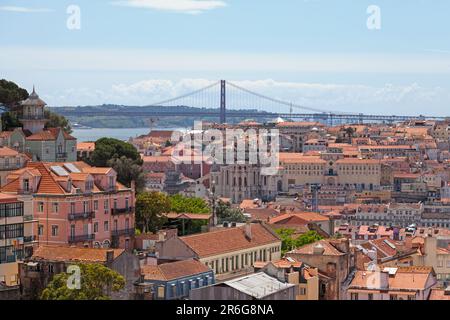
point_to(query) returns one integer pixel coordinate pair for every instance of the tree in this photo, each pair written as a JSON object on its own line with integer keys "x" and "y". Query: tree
{"x": 57, "y": 121}
{"x": 224, "y": 213}
{"x": 150, "y": 207}
{"x": 181, "y": 204}
{"x": 97, "y": 282}
{"x": 110, "y": 148}
{"x": 289, "y": 242}
{"x": 122, "y": 157}
{"x": 11, "y": 94}
{"x": 127, "y": 171}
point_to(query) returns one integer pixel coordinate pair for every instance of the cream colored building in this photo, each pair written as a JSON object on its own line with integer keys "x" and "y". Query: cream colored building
{"x": 229, "y": 252}
{"x": 298, "y": 169}
{"x": 436, "y": 255}
{"x": 239, "y": 182}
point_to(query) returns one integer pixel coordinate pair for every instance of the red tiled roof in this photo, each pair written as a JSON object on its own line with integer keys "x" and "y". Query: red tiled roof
{"x": 229, "y": 240}
{"x": 173, "y": 270}
{"x": 60, "y": 253}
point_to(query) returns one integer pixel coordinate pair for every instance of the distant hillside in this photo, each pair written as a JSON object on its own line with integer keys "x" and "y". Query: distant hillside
{"x": 140, "y": 122}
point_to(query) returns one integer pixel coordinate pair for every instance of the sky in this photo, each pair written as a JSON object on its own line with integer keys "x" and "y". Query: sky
{"x": 327, "y": 54}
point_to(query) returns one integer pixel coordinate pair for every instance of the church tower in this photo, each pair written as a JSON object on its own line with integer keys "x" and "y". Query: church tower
{"x": 33, "y": 118}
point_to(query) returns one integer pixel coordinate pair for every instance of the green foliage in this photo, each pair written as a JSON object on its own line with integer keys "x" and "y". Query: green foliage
{"x": 122, "y": 157}
{"x": 224, "y": 213}
{"x": 181, "y": 204}
{"x": 150, "y": 207}
{"x": 110, "y": 148}
{"x": 57, "y": 121}
{"x": 10, "y": 121}
{"x": 289, "y": 242}
{"x": 11, "y": 94}
{"x": 127, "y": 171}
{"x": 97, "y": 281}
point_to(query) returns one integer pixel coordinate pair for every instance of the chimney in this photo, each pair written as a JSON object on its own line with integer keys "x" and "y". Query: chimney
{"x": 318, "y": 249}
{"x": 109, "y": 256}
{"x": 248, "y": 231}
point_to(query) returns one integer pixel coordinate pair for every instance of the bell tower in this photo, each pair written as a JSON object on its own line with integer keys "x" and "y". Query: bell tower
{"x": 33, "y": 118}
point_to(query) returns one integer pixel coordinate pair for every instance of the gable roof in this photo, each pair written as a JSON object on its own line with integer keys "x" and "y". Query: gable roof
{"x": 78, "y": 254}
{"x": 229, "y": 240}
{"x": 173, "y": 270}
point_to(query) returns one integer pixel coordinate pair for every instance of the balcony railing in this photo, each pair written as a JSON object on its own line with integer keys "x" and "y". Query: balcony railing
{"x": 117, "y": 211}
{"x": 81, "y": 216}
{"x": 29, "y": 239}
{"x": 61, "y": 155}
{"x": 24, "y": 191}
{"x": 123, "y": 232}
{"x": 28, "y": 218}
{"x": 82, "y": 238}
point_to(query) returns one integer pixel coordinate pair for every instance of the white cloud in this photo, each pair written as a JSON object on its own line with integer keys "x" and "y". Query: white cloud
{"x": 85, "y": 59}
{"x": 182, "y": 6}
{"x": 24, "y": 9}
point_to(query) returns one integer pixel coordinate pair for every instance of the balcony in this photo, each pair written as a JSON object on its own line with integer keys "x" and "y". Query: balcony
{"x": 116, "y": 211}
{"x": 24, "y": 191}
{"x": 28, "y": 218}
{"x": 82, "y": 238}
{"x": 29, "y": 239}
{"x": 81, "y": 216}
{"x": 61, "y": 155}
{"x": 123, "y": 232}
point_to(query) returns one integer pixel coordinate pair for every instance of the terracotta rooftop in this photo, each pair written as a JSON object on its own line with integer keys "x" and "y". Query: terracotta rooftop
{"x": 76, "y": 254}
{"x": 173, "y": 270}
{"x": 329, "y": 249}
{"x": 229, "y": 240}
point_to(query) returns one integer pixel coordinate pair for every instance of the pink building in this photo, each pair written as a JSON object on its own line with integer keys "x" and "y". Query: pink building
{"x": 76, "y": 204}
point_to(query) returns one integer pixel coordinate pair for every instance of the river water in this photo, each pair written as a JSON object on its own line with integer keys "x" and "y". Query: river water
{"x": 94, "y": 134}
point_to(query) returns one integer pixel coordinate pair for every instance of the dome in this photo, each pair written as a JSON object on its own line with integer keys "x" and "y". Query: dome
{"x": 34, "y": 100}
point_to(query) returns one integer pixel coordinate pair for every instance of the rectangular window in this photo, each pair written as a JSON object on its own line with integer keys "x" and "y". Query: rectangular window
{"x": 95, "y": 204}
{"x": 105, "y": 226}
{"x": 72, "y": 207}
{"x": 40, "y": 207}
{"x": 55, "y": 231}
{"x": 106, "y": 206}
{"x": 95, "y": 227}
{"x": 55, "y": 207}
{"x": 40, "y": 230}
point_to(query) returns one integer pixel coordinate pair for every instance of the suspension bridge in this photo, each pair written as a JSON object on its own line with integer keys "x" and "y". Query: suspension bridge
{"x": 224, "y": 99}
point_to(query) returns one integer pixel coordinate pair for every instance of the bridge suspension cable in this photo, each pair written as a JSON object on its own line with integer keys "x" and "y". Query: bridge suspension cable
{"x": 285, "y": 103}
{"x": 187, "y": 95}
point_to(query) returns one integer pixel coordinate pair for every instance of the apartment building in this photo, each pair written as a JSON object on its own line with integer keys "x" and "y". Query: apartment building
{"x": 10, "y": 160}
{"x": 16, "y": 237}
{"x": 76, "y": 204}
{"x": 299, "y": 170}
{"x": 404, "y": 283}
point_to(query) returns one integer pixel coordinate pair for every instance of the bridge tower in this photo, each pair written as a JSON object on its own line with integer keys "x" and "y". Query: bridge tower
{"x": 223, "y": 101}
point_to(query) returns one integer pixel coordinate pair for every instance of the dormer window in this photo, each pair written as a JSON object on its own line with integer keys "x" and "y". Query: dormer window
{"x": 69, "y": 184}
{"x": 26, "y": 184}
{"x": 111, "y": 182}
